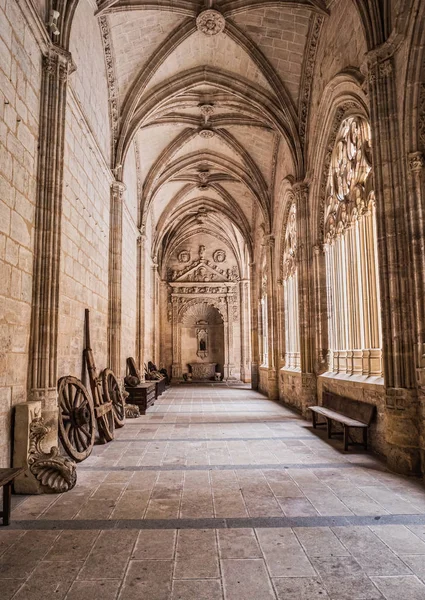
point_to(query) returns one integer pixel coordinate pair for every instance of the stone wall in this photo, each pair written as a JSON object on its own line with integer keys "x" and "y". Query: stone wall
{"x": 20, "y": 80}
{"x": 129, "y": 262}
{"x": 369, "y": 390}
{"x": 85, "y": 246}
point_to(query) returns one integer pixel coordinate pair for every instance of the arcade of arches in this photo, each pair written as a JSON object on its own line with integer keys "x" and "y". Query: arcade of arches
{"x": 235, "y": 189}
{"x": 246, "y": 177}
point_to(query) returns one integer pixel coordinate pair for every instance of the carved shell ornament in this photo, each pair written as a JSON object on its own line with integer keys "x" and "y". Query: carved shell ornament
{"x": 55, "y": 472}
{"x": 210, "y": 22}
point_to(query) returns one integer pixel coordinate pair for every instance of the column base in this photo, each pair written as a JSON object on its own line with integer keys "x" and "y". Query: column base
{"x": 402, "y": 431}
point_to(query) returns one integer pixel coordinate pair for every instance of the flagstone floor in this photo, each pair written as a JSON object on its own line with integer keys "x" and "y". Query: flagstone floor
{"x": 219, "y": 494}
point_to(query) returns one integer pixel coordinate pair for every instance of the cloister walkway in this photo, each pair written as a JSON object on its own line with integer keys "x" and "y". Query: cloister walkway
{"x": 218, "y": 493}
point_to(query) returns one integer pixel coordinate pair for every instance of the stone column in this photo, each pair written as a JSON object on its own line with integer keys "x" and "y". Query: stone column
{"x": 401, "y": 411}
{"x": 254, "y": 328}
{"x": 272, "y": 320}
{"x": 230, "y": 337}
{"x": 244, "y": 324}
{"x": 115, "y": 277}
{"x": 154, "y": 273}
{"x": 321, "y": 342}
{"x": 176, "y": 369}
{"x": 416, "y": 214}
{"x": 140, "y": 333}
{"x": 305, "y": 268}
{"x": 43, "y": 375}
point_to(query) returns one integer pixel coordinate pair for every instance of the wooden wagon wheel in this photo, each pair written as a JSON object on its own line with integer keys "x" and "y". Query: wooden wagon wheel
{"x": 76, "y": 418}
{"x": 112, "y": 393}
{"x": 102, "y": 408}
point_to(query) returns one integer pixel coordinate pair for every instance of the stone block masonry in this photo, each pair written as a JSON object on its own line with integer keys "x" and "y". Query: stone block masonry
{"x": 20, "y": 81}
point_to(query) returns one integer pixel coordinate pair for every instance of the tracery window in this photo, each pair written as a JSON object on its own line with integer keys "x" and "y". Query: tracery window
{"x": 290, "y": 292}
{"x": 351, "y": 255}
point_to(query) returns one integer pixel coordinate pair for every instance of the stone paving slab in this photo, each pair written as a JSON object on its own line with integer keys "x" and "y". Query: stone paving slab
{"x": 206, "y": 506}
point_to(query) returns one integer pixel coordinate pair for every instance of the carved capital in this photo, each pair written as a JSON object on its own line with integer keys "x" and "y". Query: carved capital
{"x": 118, "y": 188}
{"x": 269, "y": 240}
{"x": 300, "y": 190}
{"x": 416, "y": 161}
{"x": 58, "y": 62}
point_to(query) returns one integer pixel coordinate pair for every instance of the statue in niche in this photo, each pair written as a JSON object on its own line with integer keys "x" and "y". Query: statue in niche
{"x": 202, "y": 337}
{"x": 201, "y": 252}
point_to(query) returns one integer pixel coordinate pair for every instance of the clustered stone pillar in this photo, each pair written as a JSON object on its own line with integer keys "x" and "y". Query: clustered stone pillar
{"x": 115, "y": 277}
{"x": 254, "y": 328}
{"x": 244, "y": 325}
{"x": 305, "y": 269}
{"x": 416, "y": 214}
{"x": 57, "y": 65}
{"x": 271, "y": 320}
{"x": 401, "y": 402}
{"x": 140, "y": 345}
{"x": 321, "y": 344}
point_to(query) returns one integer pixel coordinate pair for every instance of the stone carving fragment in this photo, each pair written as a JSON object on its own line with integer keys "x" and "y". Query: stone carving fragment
{"x": 55, "y": 472}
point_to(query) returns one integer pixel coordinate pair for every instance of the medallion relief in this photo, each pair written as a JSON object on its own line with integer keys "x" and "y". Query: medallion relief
{"x": 210, "y": 22}
{"x": 219, "y": 256}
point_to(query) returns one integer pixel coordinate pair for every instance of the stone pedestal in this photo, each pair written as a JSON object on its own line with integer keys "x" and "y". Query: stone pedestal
{"x": 25, "y": 413}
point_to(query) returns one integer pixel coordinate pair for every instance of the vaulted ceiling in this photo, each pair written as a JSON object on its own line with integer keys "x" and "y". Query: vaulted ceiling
{"x": 208, "y": 93}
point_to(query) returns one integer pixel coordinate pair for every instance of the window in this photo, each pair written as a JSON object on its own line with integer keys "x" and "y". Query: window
{"x": 351, "y": 255}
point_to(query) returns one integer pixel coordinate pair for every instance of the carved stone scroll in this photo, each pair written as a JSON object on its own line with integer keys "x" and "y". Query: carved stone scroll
{"x": 56, "y": 473}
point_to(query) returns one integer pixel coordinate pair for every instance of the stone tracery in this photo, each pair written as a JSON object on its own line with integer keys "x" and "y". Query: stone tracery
{"x": 350, "y": 246}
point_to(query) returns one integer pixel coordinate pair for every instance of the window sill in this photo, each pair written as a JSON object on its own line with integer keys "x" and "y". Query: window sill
{"x": 361, "y": 379}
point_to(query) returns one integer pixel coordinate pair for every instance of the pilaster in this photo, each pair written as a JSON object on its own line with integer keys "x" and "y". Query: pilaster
{"x": 115, "y": 277}
{"x": 254, "y": 328}
{"x": 140, "y": 334}
{"x": 273, "y": 383}
{"x": 42, "y": 374}
{"x": 305, "y": 267}
{"x": 401, "y": 407}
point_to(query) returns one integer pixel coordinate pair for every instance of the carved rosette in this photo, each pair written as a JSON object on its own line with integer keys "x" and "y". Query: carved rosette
{"x": 210, "y": 22}
{"x": 219, "y": 256}
{"x": 55, "y": 472}
{"x": 184, "y": 256}
{"x": 206, "y": 133}
{"x": 349, "y": 189}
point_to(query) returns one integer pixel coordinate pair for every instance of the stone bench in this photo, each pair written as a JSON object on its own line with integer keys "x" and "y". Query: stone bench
{"x": 350, "y": 413}
{"x": 6, "y": 480}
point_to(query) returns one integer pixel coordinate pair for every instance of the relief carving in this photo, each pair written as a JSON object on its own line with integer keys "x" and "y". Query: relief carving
{"x": 210, "y": 22}
{"x": 219, "y": 256}
{"x": 290, "y": 244}
{"x": 57, "y": 473}
{"x": 184, "y": 256}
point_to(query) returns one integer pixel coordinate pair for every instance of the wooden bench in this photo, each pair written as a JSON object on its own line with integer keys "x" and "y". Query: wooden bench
{"x": 6, "y": 480}
{"x": 350, "y": 413}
